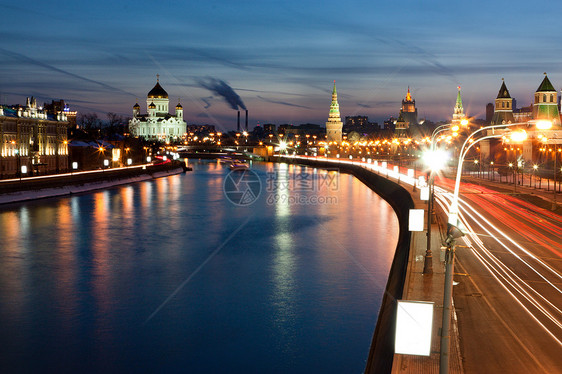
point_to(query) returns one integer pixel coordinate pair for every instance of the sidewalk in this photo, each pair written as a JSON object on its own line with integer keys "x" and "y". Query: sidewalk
{"x": 428, "y": 287}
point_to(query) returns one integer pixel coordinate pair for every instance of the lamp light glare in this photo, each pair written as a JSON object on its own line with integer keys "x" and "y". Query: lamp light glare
{"x": 518, "y": 136}
{"x": 543, "y": 125}
{"x": 436, "y": 159}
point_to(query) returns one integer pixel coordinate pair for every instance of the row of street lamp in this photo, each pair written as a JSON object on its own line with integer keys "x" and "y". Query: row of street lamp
{"x": 453, "y": 229}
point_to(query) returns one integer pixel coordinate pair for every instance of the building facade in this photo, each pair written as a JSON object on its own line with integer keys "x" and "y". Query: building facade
{"x": 157, "y": 123}
{"x": 34, "y": 141}
{"x": 334, "y": 125}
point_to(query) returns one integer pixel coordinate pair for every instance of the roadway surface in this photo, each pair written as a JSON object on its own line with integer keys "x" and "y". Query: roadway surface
{"x": 508, "y": 298}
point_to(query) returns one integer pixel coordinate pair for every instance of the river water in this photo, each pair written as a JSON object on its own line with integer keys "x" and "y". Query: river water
{"x": 184, "y": 274}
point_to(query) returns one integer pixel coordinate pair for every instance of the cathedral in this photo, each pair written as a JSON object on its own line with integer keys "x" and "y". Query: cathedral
{"x": 158, "y": 123}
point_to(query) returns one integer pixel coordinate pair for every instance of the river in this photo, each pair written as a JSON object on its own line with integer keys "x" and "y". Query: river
{"x": 185, "y": 274}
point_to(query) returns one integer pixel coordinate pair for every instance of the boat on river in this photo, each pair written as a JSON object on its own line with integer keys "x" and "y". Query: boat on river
{"x": 238, "y": 165}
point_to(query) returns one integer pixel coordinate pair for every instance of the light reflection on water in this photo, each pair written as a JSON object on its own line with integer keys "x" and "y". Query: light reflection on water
{"x": 296, "y": 290}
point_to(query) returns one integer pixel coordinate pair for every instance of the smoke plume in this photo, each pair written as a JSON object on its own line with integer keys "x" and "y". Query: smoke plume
{"x": 221, "y": 88}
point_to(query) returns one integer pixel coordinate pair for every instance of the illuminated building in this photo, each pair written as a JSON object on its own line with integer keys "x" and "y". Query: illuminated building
{"x": 545, "y": 106}
{"x": 503, "y": 111}
{"x": 334, "y": 124}
{"x": 409, "y": 112}
{"x": 33, "y": 140}
{"x": 158, "y": 123}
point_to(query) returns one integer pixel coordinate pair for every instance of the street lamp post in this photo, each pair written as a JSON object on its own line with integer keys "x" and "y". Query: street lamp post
{"x": 428, "y": 261}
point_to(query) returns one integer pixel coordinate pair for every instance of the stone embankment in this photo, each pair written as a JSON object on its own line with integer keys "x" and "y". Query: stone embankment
{"x": 31, "y": 188}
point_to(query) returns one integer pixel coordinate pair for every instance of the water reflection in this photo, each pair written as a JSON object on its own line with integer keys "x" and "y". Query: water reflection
{"x": 81, "y": 274}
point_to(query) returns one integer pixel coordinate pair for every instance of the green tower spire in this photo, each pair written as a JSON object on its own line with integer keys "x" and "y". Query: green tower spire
{"x": 459, "y": 100}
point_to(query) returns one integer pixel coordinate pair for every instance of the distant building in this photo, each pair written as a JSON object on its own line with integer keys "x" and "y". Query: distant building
{"x": 269, "y": 128}
{"x": 546, "y": 102}
{"x": 334, "y": 124}
{"x": 523, "y": 114}
{"x": 489, "y": 112}
{"x": 158, "y": 123}
{"x": 60, "y": 106}
{"x": 32, "y": 138}
{"x": 409, "y": 112}
{"x": 356, "y": 121}
{"x": 389, "y": 124}
{"x": 401, "y": 127}
{"x": 458, "y": 111}
{"x": 503, "y": 112}
{"x": 359, "y": 124}
{"x": 201, "y": 129}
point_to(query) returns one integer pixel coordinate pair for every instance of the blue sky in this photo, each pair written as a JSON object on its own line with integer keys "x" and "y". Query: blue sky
{"x": 280, "y": 57}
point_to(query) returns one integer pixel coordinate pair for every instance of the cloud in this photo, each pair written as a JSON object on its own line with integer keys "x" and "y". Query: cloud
{"x": 283, "y": 103}
{"x": 32, "y": 61}
{"x": 222, "y": 89}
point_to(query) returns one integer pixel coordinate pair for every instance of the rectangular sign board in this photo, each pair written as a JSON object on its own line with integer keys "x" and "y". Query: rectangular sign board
{"x": 424, "y": 193}
{"x": 414, "y": 322}
{"x": 415, "y": 221}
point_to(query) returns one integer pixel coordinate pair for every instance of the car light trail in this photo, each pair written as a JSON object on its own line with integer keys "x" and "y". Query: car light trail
{"x": 521, "y": 291}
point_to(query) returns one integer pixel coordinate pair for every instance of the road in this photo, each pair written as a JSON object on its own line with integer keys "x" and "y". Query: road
{"x": 508, "y": 299}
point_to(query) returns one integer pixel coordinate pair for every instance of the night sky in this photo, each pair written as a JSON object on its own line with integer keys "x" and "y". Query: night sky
{"x": 279, "y": 57}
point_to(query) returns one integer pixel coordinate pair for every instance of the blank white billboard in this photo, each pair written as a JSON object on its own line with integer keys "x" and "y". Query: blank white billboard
{"x": 414, "y": 322}
{"x": 415, "y": 221}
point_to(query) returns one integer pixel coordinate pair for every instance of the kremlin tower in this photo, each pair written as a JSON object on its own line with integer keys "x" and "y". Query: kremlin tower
{"x": 334, "y": 124}
{"x": 458, "y": 111}
{"x": 503, "y": 112}
{"x": 546, "y": 102}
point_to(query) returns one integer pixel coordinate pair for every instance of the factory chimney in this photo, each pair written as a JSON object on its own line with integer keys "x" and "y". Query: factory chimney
{"x": 238, "y": 126}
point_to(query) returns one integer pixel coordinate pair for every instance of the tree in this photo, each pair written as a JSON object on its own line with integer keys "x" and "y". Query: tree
{"x": 114, "y": 119}
{"x": 89, "y": 121}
